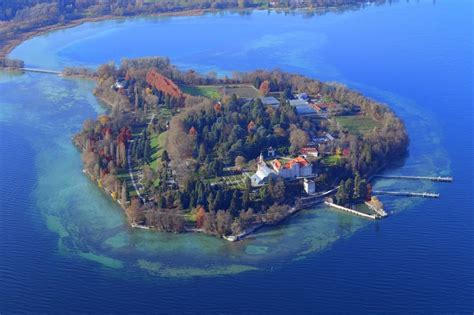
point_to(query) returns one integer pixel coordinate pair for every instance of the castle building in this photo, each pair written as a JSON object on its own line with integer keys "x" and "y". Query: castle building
{"x": 298, "y": 167}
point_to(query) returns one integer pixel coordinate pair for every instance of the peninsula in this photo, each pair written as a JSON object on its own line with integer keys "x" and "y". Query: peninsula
{"x": 186, "y": 152}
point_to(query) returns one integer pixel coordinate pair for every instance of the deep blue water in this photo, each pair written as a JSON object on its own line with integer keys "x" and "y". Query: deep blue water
{"x": 415, "y": 56}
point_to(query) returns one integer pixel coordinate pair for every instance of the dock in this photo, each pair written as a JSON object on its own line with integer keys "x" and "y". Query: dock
{"x": 406, "y": 193}
{"x": 447, "y": 179}
{"x": 364, "y": 215}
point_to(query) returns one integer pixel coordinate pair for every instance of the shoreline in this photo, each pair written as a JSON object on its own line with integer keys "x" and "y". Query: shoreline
{"x": 9, "y": 45}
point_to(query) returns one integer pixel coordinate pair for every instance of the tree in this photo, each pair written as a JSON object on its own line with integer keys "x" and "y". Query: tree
{"x": 341, "y": 195}
{"x": 236, "y": 226}
{"x": 357, "y": 195}
{"x": 349, "y": 188}
{"x": 240, "y": 162}
{"x": 223, "y": 222}
{"x": 298, "y": 139}
{"x": 363, "y": 190}
{"x": 201, "y": 212}
{"x": 135, "y": 211}
{"x": 278, "y": 191}
{"x": 164, "y": 156}
{"x": 124, "y": 195}
{"x": 264, "y": 88}
{"x": 202, "y": 152}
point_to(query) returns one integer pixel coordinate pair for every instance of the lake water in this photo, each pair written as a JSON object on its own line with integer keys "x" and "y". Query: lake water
{"x": 65, "y": 247}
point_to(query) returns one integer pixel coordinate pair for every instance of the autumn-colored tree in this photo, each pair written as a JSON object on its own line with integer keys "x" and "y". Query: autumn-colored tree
{"x": 264, "y": 88}
{"x": 201, "y": 212}
{"x": 298, "y": 139}
{"x": 240, "y": 162}
{"x": 135, "y": 211}
{"x": 103, "y": 119}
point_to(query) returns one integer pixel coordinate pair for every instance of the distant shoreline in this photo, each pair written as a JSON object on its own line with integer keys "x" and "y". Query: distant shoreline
{"x": 8, "y": 46}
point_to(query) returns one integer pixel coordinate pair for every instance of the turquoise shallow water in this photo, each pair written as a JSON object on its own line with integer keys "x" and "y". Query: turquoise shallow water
{"x": 61, "y": 237}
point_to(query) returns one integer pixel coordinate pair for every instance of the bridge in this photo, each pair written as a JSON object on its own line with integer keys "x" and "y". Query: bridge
{"x": 406, "y": 193}
{"x": 430, "y": 178}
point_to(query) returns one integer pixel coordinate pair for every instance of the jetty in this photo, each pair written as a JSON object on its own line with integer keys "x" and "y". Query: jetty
{"x": 447, "y": 179}
{"x": 406, "y": 193}
{"x": 380, "y": 212}
{"x": 351, "y": 211}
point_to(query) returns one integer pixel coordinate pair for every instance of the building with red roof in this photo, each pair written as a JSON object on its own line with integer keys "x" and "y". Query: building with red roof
{"x": 298, "y": 167}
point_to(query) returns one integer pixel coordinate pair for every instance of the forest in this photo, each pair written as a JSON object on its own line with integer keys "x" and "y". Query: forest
{"x": 185, "y": 148}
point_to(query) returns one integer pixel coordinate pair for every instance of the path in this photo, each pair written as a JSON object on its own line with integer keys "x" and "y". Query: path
{"x": 130, "y": 168}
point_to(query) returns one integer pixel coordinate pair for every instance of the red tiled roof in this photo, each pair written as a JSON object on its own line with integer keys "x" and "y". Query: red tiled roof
{"x": 299, "y": 160}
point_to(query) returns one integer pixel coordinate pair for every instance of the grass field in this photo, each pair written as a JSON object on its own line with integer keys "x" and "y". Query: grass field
{"x": 241, "y": 91}
{"x": 357, "y": 124}
{"x": 158, "y": 143}
{"x": 202, "y": 90}
{"x": 331, "y": 160}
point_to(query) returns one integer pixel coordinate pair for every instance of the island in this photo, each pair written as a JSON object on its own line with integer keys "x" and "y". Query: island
{"x": 182, "y": 151}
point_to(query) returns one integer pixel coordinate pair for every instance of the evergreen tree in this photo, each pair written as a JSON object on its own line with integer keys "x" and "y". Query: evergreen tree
{"x": 356, "y": 195}
{"x": 341, "y": 195}
{"x": 164, "y": 156}
{"x": 349, "y": 189}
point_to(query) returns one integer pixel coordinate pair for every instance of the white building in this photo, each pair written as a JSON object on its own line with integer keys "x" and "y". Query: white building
{"x": 297, "y": 167}
{"x": 309, "y": 186}
{"x": 271, "y": 152}
{"x": 309, "y": 152}
{"x": 263, "y": 173}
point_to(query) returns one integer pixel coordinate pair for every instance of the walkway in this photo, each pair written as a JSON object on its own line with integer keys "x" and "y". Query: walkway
{"x": 130, "y": 168}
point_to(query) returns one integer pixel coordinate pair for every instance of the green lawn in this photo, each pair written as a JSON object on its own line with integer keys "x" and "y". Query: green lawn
{"x": 202, "y": 90}
{"x": 357, "y": 124}
{"x": 331, "y": 160}
{"x": 158, "y": 143}
{"x": 242, "y": 91}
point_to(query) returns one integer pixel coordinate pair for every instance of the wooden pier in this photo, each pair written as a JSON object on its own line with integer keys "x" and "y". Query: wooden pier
{"x": 406, "y": 193}
{"x": 447, "y": 179}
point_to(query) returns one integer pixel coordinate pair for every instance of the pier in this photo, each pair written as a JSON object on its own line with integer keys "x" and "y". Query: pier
{"x": 406, "y": 193}
{"x": 364, "y": 215}
{"x": 447, "y": 179}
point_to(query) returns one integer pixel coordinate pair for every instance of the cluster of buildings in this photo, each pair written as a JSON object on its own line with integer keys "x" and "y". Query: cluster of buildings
{"x": 304, "y": 105}
{"x": 299, "y": 167}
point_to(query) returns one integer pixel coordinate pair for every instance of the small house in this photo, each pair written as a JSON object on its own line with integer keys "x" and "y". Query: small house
{"x": 309, "y": 152}
{"x": 329, "y": 137}
{"x": 271, "y": 152}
